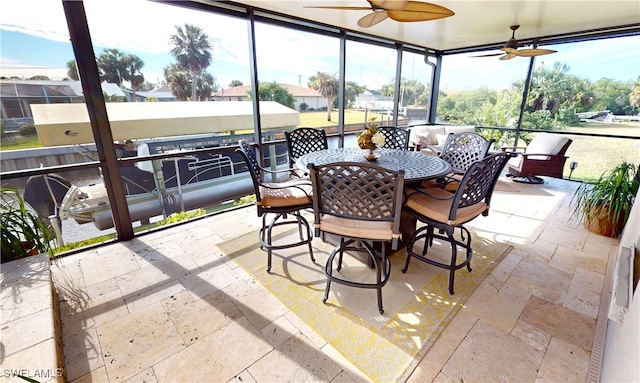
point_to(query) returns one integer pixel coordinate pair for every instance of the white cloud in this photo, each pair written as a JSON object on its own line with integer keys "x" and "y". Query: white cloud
{"x": 9, "y": 68}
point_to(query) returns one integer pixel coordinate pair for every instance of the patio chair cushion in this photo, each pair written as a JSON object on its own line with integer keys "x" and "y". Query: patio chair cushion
{"x": 439, "y": 209}
{"x": 374, "y": 230}
{"x": 546, "y": 143}
{"x": 294, "y": 193}
{"x": 543, "y": 143}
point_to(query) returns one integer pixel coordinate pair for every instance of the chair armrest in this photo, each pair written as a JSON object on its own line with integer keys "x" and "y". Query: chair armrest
{"x": 515, "y": 149}
{"x": 287, "y": 170}
{"x": 527, "y": 155}
{"x": 286, "y": 184}
{"x": 426, "y": 192}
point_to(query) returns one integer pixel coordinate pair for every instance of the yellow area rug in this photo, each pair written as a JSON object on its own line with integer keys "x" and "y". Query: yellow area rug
{"x": 417, "y": 304}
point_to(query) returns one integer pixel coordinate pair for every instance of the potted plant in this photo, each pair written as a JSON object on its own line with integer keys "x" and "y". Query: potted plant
{"x": 23, "y": 233}
{"x": 604, "y": 206}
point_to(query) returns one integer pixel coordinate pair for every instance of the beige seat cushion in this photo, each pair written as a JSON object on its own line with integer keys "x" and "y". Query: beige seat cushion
{"x": 545, "y": 143}
{"x": 374, "y": 230}
{"x": 427, "y": 135}
{"x": 297, "y": 192}
{"x": 459, "y": 129}
{"x": 438, "y": 210}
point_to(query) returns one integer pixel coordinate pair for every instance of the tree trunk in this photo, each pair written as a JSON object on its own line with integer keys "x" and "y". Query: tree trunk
{"x": 329, "y": 109}
{"x": 194, "y": 85}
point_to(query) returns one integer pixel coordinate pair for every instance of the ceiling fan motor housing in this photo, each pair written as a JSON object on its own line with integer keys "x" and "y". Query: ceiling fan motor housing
{"x": 511, "y": 45}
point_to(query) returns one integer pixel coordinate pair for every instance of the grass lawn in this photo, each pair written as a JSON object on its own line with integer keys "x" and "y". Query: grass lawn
{"x": 319, "y": 119}
{"x": 28, "y": 142}
{"x": 596, "y": 155}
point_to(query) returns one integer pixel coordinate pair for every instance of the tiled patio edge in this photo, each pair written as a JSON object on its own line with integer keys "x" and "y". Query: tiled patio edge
{"x": 31, "y": 336}
{"x": 597, "y": 352}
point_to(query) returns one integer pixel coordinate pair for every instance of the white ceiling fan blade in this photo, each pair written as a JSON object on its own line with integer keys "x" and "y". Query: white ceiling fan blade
{"x": 390, "y": 5}
{"x": 372, "y": 19}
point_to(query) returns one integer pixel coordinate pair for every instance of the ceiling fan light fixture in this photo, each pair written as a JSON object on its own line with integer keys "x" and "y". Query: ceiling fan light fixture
{"x": 511, "y": 46}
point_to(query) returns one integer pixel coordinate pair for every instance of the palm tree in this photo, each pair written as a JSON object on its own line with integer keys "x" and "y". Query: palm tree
{"x": 132, "y": 73}
{"x": 192, "y": 50}
{"x": 327, "y": 85}
{"x": 634, "y": 96}
{"x": 72, "y": 70}
{"x": 111, "y": 66}
{"x": 206, "y": 86}
{"x": 550, "y": 88}
{"x": 178, "y": 81}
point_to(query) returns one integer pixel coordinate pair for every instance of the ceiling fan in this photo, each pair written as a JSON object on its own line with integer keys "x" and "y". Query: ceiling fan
{"x": 511, "y": 49}
{"x": 398, "y": 10}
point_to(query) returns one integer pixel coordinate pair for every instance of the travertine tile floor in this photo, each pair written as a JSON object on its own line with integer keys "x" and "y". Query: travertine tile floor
{"x": 168, "y": 307}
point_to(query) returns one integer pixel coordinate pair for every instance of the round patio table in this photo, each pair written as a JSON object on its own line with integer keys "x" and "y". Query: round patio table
{"x": 417, "y": 166}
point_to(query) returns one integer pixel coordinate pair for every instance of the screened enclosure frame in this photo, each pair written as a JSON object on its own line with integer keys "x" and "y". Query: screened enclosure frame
{"x": 79, "y": 31}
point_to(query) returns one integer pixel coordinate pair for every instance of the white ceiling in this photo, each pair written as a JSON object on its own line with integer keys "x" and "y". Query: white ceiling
{"x": 475, "y": 23}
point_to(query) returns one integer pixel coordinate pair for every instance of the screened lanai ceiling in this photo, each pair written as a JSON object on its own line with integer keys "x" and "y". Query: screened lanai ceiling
{"x": 476, "y": 24}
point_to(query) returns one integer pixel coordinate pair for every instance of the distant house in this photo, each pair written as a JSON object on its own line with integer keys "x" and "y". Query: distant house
{"x": 373, "y": 100}
{"x": 16, "y": 96}
{"x": 311, "y": 97}
{"x": 161, "y": 94}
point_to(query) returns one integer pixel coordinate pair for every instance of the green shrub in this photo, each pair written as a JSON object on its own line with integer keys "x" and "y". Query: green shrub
{"x": 22, "y": 230}
{"x": 85, "y": 243}
{"x": 567, "y": 117}
{"x": 181, "y": 216}
{"x": 539, "y": 120}
{"x": 245, "y": 200}
{"x": 27, "y": 130}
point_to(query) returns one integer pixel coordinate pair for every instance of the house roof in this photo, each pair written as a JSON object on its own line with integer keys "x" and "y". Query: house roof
{"x": 51, "y": 88}
{"x": 295, "y": 90}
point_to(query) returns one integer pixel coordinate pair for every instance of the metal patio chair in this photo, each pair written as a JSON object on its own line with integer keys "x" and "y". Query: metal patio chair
{"x": 395, "y": 137}
{"x": 301, "y": 141}
{"x": 445, "y": 211}
{"x": 283, "y": 199}
{"x": 460, "y": 150}
{"x": 361, "y": 204}
{"x": 544, "y": 156}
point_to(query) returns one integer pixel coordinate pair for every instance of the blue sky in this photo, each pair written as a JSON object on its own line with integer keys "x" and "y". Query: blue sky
{"x": 38, "y": 43}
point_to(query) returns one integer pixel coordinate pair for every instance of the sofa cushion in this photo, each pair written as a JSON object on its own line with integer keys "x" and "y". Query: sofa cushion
{"x": 459, "y": 128}
{"x": 441, "y": 138}
{"x": 426, "y": 135}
